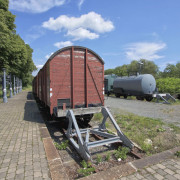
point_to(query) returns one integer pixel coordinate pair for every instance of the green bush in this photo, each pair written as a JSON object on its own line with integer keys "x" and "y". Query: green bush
{"x": 168, "y": 85}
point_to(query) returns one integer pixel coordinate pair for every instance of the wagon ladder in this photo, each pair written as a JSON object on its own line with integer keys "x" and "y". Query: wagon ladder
{"x": 83, "y": 145}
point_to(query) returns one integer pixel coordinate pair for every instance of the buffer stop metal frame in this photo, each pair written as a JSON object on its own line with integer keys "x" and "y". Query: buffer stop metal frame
{"x": 83, "y": 144}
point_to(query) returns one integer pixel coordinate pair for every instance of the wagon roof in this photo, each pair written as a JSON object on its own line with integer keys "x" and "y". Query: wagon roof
{"x": 69, "y": 47}
{"x": 77, "y": 47}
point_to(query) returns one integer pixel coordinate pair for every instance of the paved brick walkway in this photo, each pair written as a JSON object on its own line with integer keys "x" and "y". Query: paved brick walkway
{"x": 22, "y": 154}
{"x": 166, "y": 170}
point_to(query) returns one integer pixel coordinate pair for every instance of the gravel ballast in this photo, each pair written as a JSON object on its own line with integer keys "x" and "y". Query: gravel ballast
{"x": 166, "y": 112}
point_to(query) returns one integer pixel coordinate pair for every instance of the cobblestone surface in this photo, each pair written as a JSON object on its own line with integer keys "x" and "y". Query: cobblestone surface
{"x": 166, "y": 170}
{"x": 22, "y": 154}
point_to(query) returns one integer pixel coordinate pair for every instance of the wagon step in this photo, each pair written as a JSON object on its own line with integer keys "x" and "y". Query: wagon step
{"x": 82, "y": 143}
{"x": 165, "y": 97}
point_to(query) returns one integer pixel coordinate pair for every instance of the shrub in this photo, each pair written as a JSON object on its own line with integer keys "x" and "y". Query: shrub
{"x": 168, "y": 85}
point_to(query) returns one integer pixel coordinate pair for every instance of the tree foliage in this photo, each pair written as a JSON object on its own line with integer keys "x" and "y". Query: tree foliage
{"x": 168, "y": 85}
{"x": 15, "y": 55}
{"x": 171, "y": 70}
{"x": 147, "y": 67}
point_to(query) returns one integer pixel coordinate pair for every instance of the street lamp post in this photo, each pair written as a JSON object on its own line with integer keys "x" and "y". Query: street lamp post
{"x": 14, "y": 85}
{"x": 4, "y": 86}
{"x": 17, "y": 85}
{"x": 10, "y": 84}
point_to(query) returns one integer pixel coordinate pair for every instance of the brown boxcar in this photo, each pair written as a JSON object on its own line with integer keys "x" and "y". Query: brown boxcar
{"x": 72, "y": 78}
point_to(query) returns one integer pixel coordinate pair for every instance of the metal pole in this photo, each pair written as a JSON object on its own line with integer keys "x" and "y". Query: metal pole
{"x": 21, "y": 84}
{"x": 10, "y": 84}
{"x": 17, "y": 85}
{"x": 14, "y": 85}
{"x": 4, "y": 86}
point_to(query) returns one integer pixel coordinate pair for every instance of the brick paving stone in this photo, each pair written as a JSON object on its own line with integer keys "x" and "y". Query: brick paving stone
{"x": 159, "y": 171}
{"x": 178, "y": 171}
{"x": 170, "y": 177}
{"x": 158, "y": 176}
{"x": 177, "y": 166}
{"x": 161, "y": 166}
{"x": 10, "y": 176}
{"x": 139, "y": 176}
{"x": 150, "y": 170}
{"x": 21, "y": 147}
{"x": 169, "y": 171}
{"x": 2, "y": 174}
{"x": 177, "y": 176}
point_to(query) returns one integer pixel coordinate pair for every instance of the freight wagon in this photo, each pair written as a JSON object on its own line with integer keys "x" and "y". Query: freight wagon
{"x": 71, "y": 85}
{"x": 72, "y": 78}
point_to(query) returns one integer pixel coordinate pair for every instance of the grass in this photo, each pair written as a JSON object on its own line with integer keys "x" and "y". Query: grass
{"x": 177, "y": 154}
{"x": 97, "y": 117}
{"x": 108, "y": 156}
{"x": 121, "y": 153}
{"x": 143, "y": 129}
{"x": 28, "y": 88}
{"x": 99, "y": 159}
{"x": 86, "y": 169}
{"x": 61, "y": 146}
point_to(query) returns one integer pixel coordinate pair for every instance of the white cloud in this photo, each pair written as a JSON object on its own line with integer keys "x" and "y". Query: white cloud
{"x": 34, "y": 6}
{"x": 91, "y": 24}
{"x": 34, "y": 73}
{"x": 63, "y": 44}
{"x": 34, "y": 33}
{"x": 81, "y": 33}
{"x": 144, "y": 50}
{"x": 48, "y": 55}
{"x": 80, "y": 3}
{"x": 40, "y": 66}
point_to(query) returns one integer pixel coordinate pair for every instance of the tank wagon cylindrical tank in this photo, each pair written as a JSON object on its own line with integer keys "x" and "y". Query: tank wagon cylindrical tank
{"x": 72, "y": 78}
{"x": 141, "y": 86}
{"x": 108, "y": 83}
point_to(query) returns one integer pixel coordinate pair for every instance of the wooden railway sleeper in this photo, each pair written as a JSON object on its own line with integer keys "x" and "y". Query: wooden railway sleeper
{"x": 83, "y": 145}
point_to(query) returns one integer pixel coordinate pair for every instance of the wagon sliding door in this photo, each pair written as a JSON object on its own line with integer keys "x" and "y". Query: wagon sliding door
{"x": 87, "y": 79}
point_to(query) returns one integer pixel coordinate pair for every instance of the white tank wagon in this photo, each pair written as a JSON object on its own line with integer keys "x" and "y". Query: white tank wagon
{"x": 141, "y": 86}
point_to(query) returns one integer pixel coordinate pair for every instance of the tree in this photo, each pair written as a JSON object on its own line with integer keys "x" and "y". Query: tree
{"x": 147, "y": 67}
{"x": 171, "y": 70}
{"x": 15, "y": 55}
{"x": 4, "y": 4}
{"x": 109, "y": 71}
{"x": 121, "y": 70}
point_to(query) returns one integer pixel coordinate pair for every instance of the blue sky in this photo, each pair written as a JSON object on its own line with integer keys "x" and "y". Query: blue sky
{"x": 118, "y": 30}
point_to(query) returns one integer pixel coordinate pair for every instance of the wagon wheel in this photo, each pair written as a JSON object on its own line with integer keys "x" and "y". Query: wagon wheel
{"x": 140, "y": 98}
{"x": 117, "y": 95}
{"x": 149, "y": 98}
{"x": 87, "y": 118}
{"x": 125, "y": 96}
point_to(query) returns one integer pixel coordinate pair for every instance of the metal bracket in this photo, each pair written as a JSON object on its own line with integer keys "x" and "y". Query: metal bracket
{"x": 164, "y": 97}
{"x": 83, "y": 145}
